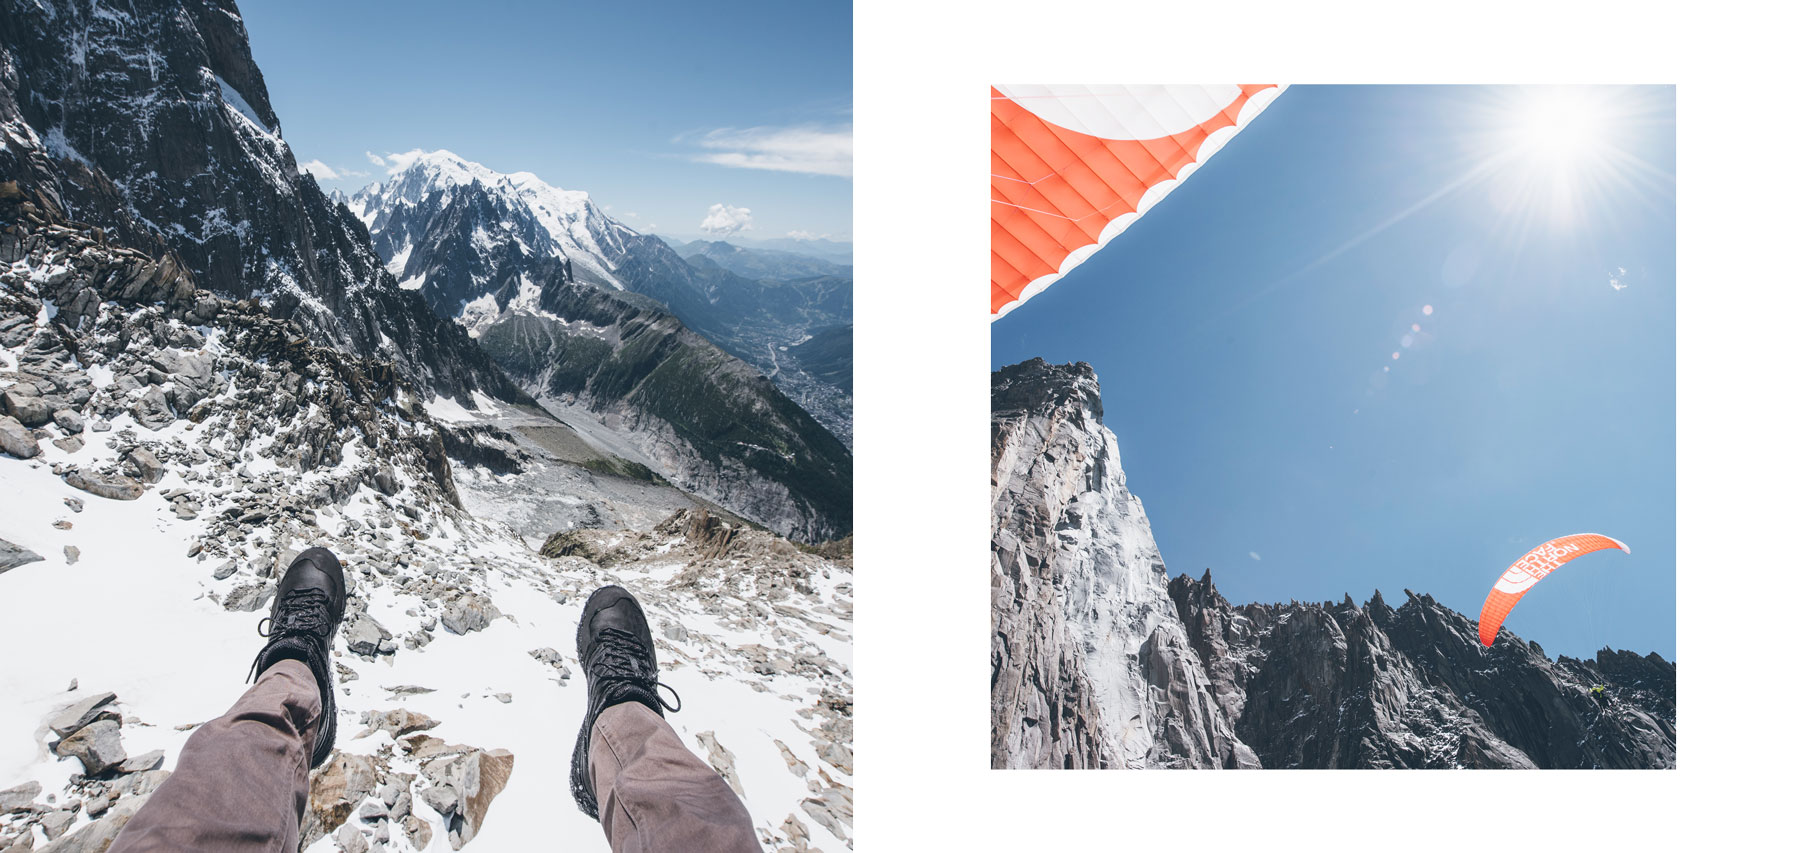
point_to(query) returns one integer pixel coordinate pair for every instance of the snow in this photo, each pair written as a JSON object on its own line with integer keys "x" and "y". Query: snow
{"x": 478, "y": 314}
{"x": 448, "y": 410}
{"x": 58, "y": 146}
{"x": 397, "y": 265}
{"x": 589, "y": 239}
{"x": 242, "y": 107}
{"x": 150, "y": 634}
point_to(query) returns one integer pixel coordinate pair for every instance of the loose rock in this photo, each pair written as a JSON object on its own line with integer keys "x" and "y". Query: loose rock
{"x": 469, "y": 612}
{"x": 15, "y": 439}
{"x": 12, "y": 556}
{"x": 250, "y": 597}
{"x": 149, "y": 469}
{"x": 148, "y": 761}
{"x": 68, "y": 420}
{"x": 80, "y": 713}
{"x": 110, "y": 486}
{"x": 19, "y": 797}
{"x": 96, "y": 745}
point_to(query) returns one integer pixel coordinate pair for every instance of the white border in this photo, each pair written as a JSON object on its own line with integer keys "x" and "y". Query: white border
{"x": 923, "y": 71}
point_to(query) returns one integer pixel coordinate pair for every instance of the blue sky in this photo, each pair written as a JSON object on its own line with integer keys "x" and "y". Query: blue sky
{"x": 659, "y": 110}
{"x": 1245, "y": 333}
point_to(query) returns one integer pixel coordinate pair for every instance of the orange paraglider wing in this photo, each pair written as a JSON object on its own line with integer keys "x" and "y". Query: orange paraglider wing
{"x": 1073, "y": 166}
{"x": 1531, "y": 568}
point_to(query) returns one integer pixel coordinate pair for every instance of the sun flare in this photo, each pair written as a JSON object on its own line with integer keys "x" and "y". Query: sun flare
{"x": 1557, "y": 156}
{"x": 1561, "y": 127}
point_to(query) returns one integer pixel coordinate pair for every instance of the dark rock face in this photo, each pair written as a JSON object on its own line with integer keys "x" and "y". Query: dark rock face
{"x": 260, "y": 380}
{"x": 1336, "y": 685}
{"x": 1289, "y": 685}
{"x": 153, "y": 124}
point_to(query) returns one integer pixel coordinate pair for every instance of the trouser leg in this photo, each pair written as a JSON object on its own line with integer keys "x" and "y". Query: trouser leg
{"x": 241, "y": 782}
{"x": 654, "y": 795}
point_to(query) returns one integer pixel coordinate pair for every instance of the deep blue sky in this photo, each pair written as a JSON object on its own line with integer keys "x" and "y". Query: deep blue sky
{"x": 612, "y": 98}
{"x": 1241, "y": 355}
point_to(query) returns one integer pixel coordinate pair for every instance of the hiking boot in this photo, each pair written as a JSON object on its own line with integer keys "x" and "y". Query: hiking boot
{"x": 309, "y": 604}
{"x": 619, "y": 658}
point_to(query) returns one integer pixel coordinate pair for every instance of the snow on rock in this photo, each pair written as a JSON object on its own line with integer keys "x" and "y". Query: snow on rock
{"x": 261, "y": 444}
{"x": 1090, "y": 666}
{"x": 592, "y": 242}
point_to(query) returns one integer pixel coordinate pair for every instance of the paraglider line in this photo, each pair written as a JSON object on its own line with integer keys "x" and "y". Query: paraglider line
{"x": 1057, "y": 215}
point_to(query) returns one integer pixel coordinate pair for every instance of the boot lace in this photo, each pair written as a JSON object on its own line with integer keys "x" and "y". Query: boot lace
{"x": 302, "y": 616}
{"x": 623, "y": 658}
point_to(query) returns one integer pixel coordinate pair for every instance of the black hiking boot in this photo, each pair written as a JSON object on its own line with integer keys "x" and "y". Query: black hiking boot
{"x": 309, "y": 604}
{"x": 619, "y": 658}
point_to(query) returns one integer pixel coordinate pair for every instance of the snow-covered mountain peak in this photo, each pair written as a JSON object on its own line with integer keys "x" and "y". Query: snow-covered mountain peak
{"x": 572, "y": 226}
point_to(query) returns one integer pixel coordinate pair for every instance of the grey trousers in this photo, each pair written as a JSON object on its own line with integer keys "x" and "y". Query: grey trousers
{"x": 654, "y": 794}
{"x": 242, "y": 781}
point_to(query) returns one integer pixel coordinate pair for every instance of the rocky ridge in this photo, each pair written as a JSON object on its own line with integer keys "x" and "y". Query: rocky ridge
{"x": 1090, "y": 663}
{"x": 153, "y": 124}
{"x": 228, "y": 442}
{"x": 480, "y": 245}
{"x": 1086, "y": 623}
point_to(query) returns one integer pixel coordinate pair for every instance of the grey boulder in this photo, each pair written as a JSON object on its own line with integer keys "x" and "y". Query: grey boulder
{"x": 468, "y": 612}
{"x": 15, "y": 439}
{"x": 79, "y": 714}
{"x": 110, "y": 486}
{"x": 12, "y": 556}
{"x": 149, "y": 469}
{"x": 19, "y": 797}
{"x": 96, "y": 745}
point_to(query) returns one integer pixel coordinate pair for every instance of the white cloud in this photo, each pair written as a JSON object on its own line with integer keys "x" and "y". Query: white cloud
{"x": 395, "y": 163}
{"x": 1255, "y": 556}
{"x": 723, "y": 220}
{"x": 808, "y": 149}
{"x": 808, "y": 235}
{"x": 320, "y": 171}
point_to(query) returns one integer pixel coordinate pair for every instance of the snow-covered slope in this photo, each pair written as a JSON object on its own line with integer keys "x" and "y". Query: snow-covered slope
{"x": 168, "y": 452}
{"x": 545, "y": 219}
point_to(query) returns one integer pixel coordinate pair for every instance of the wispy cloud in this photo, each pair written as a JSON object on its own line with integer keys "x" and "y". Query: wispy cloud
{"x": 320, "y": 171}
{"x": 723, "y": 220}
{"x": 807, "y": 149}
{"x": 808, "y": 235}
{"x": 1255, "y": 556}
{"x": 395, "y": 163}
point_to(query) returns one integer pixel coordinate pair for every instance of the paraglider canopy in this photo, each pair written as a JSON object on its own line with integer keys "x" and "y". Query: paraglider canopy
{"x": 1525, "y": 572}
{"x": 1073, "y": 166}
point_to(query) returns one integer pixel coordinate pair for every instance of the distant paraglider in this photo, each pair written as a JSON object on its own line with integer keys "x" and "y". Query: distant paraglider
{"x": 1073, "y": 166}
{"x": 1523, "y": 574}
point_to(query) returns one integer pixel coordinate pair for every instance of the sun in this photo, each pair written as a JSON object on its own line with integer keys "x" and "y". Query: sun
{"x": 1554, "y": 156}
{"x": 1560, "y": 127}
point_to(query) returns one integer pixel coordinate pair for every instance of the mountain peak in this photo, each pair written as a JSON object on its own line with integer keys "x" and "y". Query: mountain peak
{"x": 566, "y": 221}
